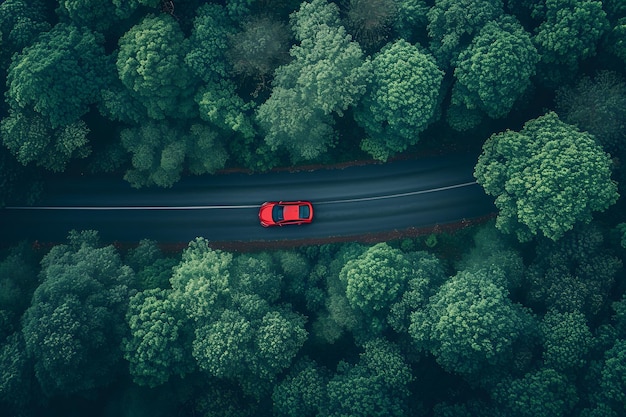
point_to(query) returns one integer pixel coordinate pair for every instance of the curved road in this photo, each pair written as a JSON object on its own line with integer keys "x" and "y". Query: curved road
{"x": 352, "y": 201}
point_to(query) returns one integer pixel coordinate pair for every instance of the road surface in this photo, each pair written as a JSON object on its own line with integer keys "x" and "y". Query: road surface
{"x": 352, "y": 201}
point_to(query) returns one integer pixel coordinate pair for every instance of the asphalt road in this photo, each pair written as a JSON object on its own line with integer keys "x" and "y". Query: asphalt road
{"x": 351, "y": 201}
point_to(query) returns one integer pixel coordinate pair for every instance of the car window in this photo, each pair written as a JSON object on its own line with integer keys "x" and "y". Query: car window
{"x": 304, "y": 212}
{"x": 277, "y": 213}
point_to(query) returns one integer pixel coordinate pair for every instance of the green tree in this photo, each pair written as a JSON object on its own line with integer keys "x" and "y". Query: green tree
{"x": 201, "y": 279}
{"x": 158, "y": 344}
{"x": 206, "y": 153}
{"x": 376, "y": 386}
{"x": 97, "y": 15}
{"x": 326, "y": 76}
{"x": 219, "y": 317}
{"x": 257, "y": 274}
{"x": 470, "y": 324}
{"x": 223, "y": 347}
{"x": 544, "y": 392}
{"x": 621, "y": 229}
{"x": 613, "y": 377}
{"x": 375, "y": 279}
{"x": 570, "y": 30}
{"x": 217, "y": 99}
{"x": 574, "y": 274}
{"x": 370, "y": 21}
{"x": 411, "y": 18}
{"x": 18, "y": 280}
{"x": 220, "y": 105}
{"x": 302, "y": 393}
{"x": 75, "y": 324}
{"x": 545, "y": 178}
{"x": 150, "y": 64}
{"x": 495, "y": 69}
{"x": 60, "y": 75}
{"x": 494, "y": 251}
{"x": 30, "y": 138}
{"x": 428, "y": 273}
{"x": 401, "y": 100}
{"x": 208, "y": 43}
{"x": 158, "y": 154}
{"x": 259, "y": 47}
{"x": 21, "y": 21}
{"x": 19, "y": 390}
{"x": 453, "y": 23}
{"x": 566, "y": 339}
{"x": 597, "y": 105}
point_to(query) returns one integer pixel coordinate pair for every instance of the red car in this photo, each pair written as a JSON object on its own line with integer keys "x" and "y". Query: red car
{"x": 280, "y": 213}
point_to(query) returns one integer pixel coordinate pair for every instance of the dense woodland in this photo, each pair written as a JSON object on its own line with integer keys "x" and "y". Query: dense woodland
{"x": 522, "y": 316}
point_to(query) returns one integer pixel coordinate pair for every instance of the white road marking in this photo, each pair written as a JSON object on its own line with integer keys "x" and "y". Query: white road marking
{"x": 246, "y": 206}
{"x": 407, "y": 194}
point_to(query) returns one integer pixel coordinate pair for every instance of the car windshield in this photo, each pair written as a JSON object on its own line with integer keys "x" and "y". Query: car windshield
{"x": 304, "y": 212}
{"x": 277, "y": 213}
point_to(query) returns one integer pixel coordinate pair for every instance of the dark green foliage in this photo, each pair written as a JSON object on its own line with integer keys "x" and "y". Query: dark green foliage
{"x": 411, "y": 17}
{"x": 566, "y": 340}
{"x": 30, "y": 138}
{"x": 326, "y": 76}
{"x": 493, "y": 251}
{"x": 428, "y": 273}
{"x": 376, "y": 386}
{"x": 156, "y": 348}
{"x": 18, "y": 386}
{"x": 150, "y": 64}
{"x": 376, "y": 279}
{"x": 152, "y": 268}
{"x": 69, "y": 64}
{"x": 373, "y": 289}
{"x": 158, "y": 155}
{"x": 205, "y": 150}
{"x": 98, "y": 15}
{"x": 370, "y": 21}
{"x": 259, "y": 48}
{"x": 208, "y": 43}
{"x": 470, "y": 324}
{"x": 613, "y": 379}
{"x": 160, "y": 152}
{"x": 495, "y": 70}
{"x": 570, "y": 30}
{"x": 21, "y": 21}
{"x": 220, "y": 105}
{"x": 18, "y": 280}
{"x": 574, "y": 274}
{"x": 302, "y": 392}
{"x": 74, "y": 326}
{"x": 222, "y": 399}
{"x": 541, "y": 393}
{"x": 617, "y": 39}
{"x": 218, "y": 318}
{"x": 545, "y": 178}
{"x": 401, "y": 100}
{"x": 621, "y": 228}
{"x": 452, "y": 23}
{"x": 597, "y": 105}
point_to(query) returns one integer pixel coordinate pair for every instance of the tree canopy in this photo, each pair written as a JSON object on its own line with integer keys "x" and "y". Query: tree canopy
{"x": 401, "y": 100}
{"x": 545, "y": 178}
{"x": 150, "y": 64}
{"x": 495, "y": 69}
{"x": 327, "y": 75}
{"x": 76, "y": 316}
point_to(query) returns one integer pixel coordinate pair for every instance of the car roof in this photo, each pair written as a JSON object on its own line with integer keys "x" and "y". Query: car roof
{"x": 291, "y": 212}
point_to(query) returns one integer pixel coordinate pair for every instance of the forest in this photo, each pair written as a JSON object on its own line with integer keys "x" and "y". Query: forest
{"x": 523, "y": 315}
